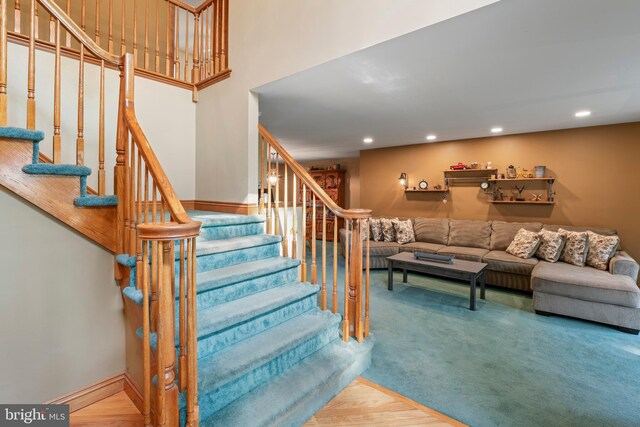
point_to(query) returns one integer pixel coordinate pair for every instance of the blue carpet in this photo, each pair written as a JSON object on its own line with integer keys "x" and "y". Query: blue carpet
{"x": 501, "y": 365}
{"x": 96, "y": 201}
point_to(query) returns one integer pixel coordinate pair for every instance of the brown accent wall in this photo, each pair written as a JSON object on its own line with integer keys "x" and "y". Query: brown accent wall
{"x": 597, "y": 171}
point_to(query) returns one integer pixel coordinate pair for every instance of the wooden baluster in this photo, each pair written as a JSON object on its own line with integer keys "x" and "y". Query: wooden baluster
{"x": 323, "y": 291}
{"x": 346, "y": 328}
{"x": 195, "y": 70}
{"x": 135, "y": 32}
{"x": 123, "y": 28}
{"x": 186, "y": 45}
{"x": 261, "y": 174}
{"x": 146, "y": 332}
{"x": 172, "y": 412}
{"x": 67, "y": 36}
{"x": 132, "y": 196}
{"x": 52, "y": 29}
{"x": 110, "y": 44}
{"x": 334, "y": 295}
{"x": 98, "y": 22}
{"x": 294, "y": 238}
{"x": 37, "y": 21}
{"x": 367, "y": 287}
{"x": 126, "y": 196}
{"x": 182, "y": 380}
{"x": 176, "y": 48}
{"x": 314, "y": 267}
{"x": 3, "y": 62}
{"x": 146, "y": 194}
{"x": 167, "y": 62}
{"x": 57, "y": 140}
{"x": 303, "y": 264}
{"x": 269, "y": 223}
{"x": 139, "y": 217}
{"x": 224, "y": 54}
{"x": 204, "y": 62}
{"x": 157, "y": 45}
{"x": 16, "y": 16}
{"x": 208, "y": 70}
{"x": 212, "y": 36}
{"x": 162, "y": 331}
{"x": 285, "y": 231}
{"x": 101, "y": 130}
{"x": 220, "y": 20}
{"x": 146, "y": 35}
{"x": 276, "y": 218}
{"x": 193, "y": 411}
{"x": 355, "y": 291}
{"x": 31, "y": 78}
{"x": 80, "y": 137}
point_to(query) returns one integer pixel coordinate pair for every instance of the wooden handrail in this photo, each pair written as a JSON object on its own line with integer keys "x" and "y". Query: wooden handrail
{"x": 306, "y": 179}
{"x": 64, "y": 19}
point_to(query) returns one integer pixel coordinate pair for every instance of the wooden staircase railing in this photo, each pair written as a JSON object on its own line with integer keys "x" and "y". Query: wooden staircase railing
{"x": 151, "y": 224}
{"x": 171, "y": 41}
{"x": 316, "y": 205}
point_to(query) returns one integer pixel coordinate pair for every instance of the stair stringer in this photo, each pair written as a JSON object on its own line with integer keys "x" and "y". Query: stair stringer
{"x": 54, "y": 194}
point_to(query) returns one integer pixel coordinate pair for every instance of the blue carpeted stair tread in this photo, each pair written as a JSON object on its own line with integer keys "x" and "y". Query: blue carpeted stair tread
{"x": 219, "y": 220}
{"x": 126, "y": 260}
{"x": 96, "y": 201}
{"x": 21, "y": 133}
{"x": 298, "y": 393}
{"x": 234, "y": 244}
{"x": 56, "y": 169}
{"x": 244, "y": 356}
{"x": 133, "y": 294}
{"x": 238, "y": 311}
{"x": 226, "y": 276}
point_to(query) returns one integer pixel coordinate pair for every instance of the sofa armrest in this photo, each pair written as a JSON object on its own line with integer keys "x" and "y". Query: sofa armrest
{"x": 623, "y": 264}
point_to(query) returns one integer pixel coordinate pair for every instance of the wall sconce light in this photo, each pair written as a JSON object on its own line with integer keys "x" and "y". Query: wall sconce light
{"x": 403, "y": 180}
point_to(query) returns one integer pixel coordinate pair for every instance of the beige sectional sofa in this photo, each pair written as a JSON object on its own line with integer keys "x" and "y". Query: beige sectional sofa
{"x": 610, "y": 297}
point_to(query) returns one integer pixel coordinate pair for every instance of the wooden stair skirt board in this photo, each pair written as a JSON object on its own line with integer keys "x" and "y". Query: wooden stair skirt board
{"x": 55, "y": 195}
{"x": 226, "y": 207}
{"x": 101, "y": 390}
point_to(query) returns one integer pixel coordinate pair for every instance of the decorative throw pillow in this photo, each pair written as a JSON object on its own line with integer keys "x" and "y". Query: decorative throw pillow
{"x": 601, "y": 250}
{"x": 525, "y": 243}
{"x": 551, "y": 245}
{"x": 404, "y": 231}
{"x": 364, "y": 229}
{"x": 376, "y": 229}
{"x": 388, "y": 232}
{"x": 575, "y": 248}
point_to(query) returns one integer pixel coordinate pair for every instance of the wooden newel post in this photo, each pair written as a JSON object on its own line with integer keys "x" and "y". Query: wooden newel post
{"x": 355, "y": 282}
{"x": 119, "y": 169}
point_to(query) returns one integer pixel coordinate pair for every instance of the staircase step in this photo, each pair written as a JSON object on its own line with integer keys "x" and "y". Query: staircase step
{"x": 214, "y": 254}
{"x": 294, "y": 396}
{"x": 21, "y": 133}
{"x": 226, "y": 284}
{"x": 225, "y": 324}
{"x": 225, "y": 226}
{"x": 96, "y": 201}
{"x": 56, "y": 169}
{"x": 238, "y": 369}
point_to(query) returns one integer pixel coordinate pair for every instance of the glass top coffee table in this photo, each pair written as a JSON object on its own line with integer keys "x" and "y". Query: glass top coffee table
{"x": 470, "y": 271}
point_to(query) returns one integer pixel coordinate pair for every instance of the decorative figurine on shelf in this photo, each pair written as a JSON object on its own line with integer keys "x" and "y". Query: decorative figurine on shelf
{"x": 489, "y": 165}
{"x": 474, "y": 165}
{"x": 536, "y": 198}
{"x": 520, "y": 189}
{"x": 511, "y": 172}
{"x": 459, "y": 166}
{"x": 437, "y": 187}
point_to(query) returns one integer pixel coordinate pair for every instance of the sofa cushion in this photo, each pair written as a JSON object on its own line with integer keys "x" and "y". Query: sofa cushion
{"x": 525, "y": 243}
{"x": 388, "y": 232}
{"x": 431, "y": 248}
{"x": 404, "y": 231}
{"x": 432, "y": 230}
{"x": 599, "y": 230}
{"x": 383, "y": 249}
{"x": 466, "y": 253}
{"x": 551, "y": 245}
{"x": 472, "y": 234}
{"x": 601, "y": 250}
{"x": 575, "y": 248}
{"x": 375, "y": 225}
{"x": 585, "y": 283}
{"x": 503, "y": 233}
{"x": 507, "y": 263}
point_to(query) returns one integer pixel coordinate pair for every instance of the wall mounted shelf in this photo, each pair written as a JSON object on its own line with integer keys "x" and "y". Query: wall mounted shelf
{"x": 522, "y": 179}
{"x": 444, "y": 190}
{"x": 522, "y": 202}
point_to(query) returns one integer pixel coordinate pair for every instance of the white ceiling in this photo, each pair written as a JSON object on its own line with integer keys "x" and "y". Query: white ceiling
{"x": 524, "y": 65}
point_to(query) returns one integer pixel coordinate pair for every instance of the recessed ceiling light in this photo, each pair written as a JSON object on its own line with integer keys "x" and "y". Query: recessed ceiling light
{"x": 431, "y": 137}
{"x": 496, "y": 130}
{"x": 583, "y": 113}
{"x": 367, "y": 140}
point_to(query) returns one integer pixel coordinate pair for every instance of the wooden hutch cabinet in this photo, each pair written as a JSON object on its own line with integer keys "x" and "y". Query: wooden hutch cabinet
{"x": 332, "y": 182}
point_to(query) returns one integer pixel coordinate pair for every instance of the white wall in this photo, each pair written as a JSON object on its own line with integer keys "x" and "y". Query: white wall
{"x": 61, "y": 318}
{"x": 272, "y": 39}
{"x": 166, "y": 113}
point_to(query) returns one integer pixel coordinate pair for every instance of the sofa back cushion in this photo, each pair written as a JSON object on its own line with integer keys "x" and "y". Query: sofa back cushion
{"x": 503, "y": 233}
{"x": 431, "y": 230}
{"x": 598, "y": 230}
{"x": 473, "y": 234}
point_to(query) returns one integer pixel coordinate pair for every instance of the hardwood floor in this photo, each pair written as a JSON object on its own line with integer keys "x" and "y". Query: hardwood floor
{"x": 362, "y": 403}
{"x": 116, "y": 410}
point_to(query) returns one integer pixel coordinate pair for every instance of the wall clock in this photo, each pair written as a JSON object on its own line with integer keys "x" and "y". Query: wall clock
{"x": 423, "y": 185}
{"x": 484, "y": 185}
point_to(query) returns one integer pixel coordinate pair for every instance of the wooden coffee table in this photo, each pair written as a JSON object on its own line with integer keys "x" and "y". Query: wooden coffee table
{"x": 470, "y": 271}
